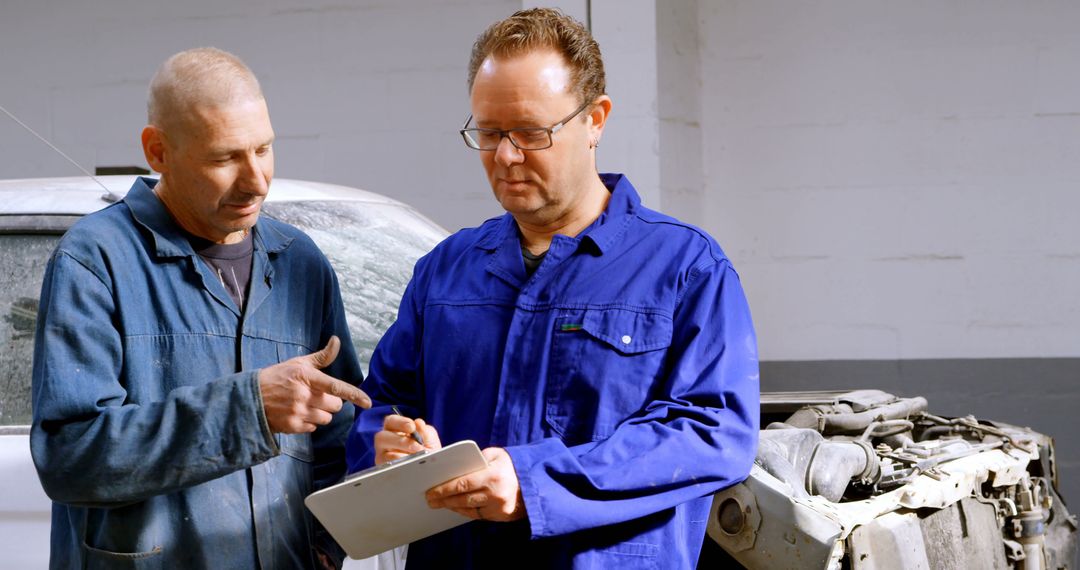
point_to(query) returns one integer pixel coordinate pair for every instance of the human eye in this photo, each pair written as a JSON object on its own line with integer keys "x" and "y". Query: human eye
{"x": 530, "y": 137}
{"x": 263, "y": 150}
{"x": 487, "y": 137}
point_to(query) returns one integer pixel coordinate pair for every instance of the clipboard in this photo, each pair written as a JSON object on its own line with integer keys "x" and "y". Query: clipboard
{"x": 383, "y": 507}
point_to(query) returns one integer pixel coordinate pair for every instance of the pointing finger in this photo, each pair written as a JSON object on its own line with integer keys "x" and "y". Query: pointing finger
{"x": 324, "y": 401}
{"x": 327, "y": 355}
{"x": 343, "y": 390}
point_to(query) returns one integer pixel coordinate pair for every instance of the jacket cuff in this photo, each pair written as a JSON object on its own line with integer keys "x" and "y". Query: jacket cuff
{"x": 528, "y": 463}
{"x": 260, "y": 412}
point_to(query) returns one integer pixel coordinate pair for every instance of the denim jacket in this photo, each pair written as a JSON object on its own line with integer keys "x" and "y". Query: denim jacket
{"x": 621, "y": 377}
{"x": 149, "y": 432}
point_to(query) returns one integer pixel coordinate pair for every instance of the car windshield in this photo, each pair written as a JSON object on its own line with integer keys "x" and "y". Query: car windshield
{"x": 372, "y": 246}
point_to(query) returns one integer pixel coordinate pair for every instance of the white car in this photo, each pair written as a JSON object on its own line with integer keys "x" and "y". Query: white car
{"x": 371, "y": 240}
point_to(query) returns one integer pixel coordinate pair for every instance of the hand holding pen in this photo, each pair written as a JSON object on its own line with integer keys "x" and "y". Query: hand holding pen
{"x": 401, "y": 436}
{"x": 415, "y": 434}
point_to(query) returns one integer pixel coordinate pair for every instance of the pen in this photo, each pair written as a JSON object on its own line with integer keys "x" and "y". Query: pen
{"x": 415, "y": 434}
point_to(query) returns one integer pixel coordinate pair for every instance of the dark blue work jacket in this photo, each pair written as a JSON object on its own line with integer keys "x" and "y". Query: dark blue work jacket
{"x": 621, "y": 377}
{"x": 149, "y": 431}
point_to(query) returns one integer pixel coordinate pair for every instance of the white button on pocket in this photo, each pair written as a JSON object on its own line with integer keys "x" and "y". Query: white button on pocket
{"x": 626, "y": 339}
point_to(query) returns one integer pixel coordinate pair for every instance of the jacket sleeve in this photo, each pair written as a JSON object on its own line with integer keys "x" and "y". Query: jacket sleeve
{"x": 93, "y": 449}
{"x": 697, "y": 435}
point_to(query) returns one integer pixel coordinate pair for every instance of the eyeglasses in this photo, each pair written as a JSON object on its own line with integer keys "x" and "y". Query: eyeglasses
{"x": 524, "y": 138}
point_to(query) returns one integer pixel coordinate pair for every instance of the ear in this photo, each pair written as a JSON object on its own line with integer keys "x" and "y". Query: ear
{"x": 154, "y": 148}
{"x": 598, "y": 117}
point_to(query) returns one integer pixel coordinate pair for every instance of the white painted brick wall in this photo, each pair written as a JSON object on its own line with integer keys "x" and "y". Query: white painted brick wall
{"x": 897, "y": 180}
{"x": 365, "y": 93}
{"x": 892, "y": 180}
{"x": 679, "y": 110}
{"x": 627, "y": 33}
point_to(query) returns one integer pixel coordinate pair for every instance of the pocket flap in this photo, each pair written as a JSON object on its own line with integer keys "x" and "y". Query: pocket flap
{"x": 297, "y": 446}
{"x": 629, "y": 332}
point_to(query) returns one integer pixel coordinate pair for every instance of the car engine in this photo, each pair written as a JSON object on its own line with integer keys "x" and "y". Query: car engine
{"x": 866, "y": 480}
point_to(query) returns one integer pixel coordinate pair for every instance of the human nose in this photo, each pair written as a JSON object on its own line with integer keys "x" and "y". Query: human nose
{"x": 506, "y": 154}
{"x": 255, "y": 174}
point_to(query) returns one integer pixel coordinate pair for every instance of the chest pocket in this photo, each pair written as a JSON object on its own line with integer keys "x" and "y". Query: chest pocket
{"x": 603, "y": 366}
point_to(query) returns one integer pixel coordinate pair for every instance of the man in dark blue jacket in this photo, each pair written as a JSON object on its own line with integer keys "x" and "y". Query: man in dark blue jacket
{"x": 602, "y": 353}
{"x": 181, "y": 411}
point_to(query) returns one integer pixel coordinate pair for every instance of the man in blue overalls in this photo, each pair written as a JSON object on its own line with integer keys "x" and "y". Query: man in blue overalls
{"x": 182, "y": 407}
{"x": 602, "y": 353}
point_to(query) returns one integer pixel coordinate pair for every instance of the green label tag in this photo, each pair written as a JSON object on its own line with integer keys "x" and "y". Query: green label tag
{"x": 570, "y": 327}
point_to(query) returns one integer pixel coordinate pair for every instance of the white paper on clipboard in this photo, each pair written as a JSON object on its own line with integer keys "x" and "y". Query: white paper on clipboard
{"x": 384, "y": 507}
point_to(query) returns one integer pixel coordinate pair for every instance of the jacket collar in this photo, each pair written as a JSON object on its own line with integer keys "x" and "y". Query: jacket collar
{"x": 170, "y": 240}
{"x": 603, "y": 233}
{"x": 610, "y": 227}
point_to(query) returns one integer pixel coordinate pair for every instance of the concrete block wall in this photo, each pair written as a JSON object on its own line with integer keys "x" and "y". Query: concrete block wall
{"x": 366, "y": 93}
{"x": 898, "y": 185}
{"x": 898, "y": 181}
{"x": 913, "y": 168}
{"x": 681, "y": 98}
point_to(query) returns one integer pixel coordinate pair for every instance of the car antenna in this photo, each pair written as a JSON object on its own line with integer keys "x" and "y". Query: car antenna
{"x": 109, "y": 196}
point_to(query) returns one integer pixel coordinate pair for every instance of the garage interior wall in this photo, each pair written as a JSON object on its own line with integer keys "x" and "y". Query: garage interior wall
{"x": 898, "y": 184}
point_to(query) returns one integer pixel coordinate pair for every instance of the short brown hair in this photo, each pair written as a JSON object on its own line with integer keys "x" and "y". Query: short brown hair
{"x": 545, "y": 28}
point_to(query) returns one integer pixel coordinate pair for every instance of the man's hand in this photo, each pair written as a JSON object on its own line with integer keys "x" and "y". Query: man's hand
{"x": 298, "y": 397}
{"x": 324, "y": 560}
{"x": 492, "y": 494}
{"x": 395, "y": 440}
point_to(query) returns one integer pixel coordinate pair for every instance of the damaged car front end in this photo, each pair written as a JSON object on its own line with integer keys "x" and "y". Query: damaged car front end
{"x": 866, "y": 480}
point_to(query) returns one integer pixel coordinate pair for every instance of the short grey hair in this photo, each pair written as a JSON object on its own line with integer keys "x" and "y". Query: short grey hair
{"x": 204, "y": 76}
